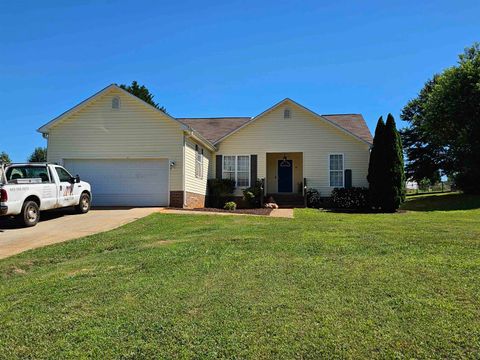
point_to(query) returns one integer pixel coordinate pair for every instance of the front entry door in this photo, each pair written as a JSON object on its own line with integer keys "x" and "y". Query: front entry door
{"x": 285, "y": 176}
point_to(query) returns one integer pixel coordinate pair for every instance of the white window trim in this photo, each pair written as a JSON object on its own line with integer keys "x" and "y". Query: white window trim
{"x": 236, "y": 169}
{"x": 199, "y": 150}
{"x": 343, "y": 170}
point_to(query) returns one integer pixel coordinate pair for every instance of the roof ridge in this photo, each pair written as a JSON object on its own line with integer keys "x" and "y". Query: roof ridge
{"x": 216, "y": 117}
{"x": 341, "y": 114}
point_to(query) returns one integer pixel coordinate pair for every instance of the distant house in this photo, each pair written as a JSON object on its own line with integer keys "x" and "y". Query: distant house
{"x": 135, "y": 155}
{"x": 411, "y": 185}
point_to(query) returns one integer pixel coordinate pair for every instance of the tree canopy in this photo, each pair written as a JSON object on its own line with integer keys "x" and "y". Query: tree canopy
{"x": 4, "y": 157}
{"x": 143, "y": 93}
{"x": 444, "y": 125}
{"x": 38, "y": 155}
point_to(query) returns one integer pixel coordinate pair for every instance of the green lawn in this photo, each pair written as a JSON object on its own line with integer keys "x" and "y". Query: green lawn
{"x": 323, "y": 284}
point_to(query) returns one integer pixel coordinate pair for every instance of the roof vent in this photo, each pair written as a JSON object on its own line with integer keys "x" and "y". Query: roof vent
{"x": 116, "y": 103}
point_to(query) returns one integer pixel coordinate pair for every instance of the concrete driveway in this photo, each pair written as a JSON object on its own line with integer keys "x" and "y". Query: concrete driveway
{"x": 62, "y": 225}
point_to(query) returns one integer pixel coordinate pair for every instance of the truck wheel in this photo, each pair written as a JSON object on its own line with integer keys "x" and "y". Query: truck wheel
{"x": 84, "y": 204}
{"x": 30, "y": 213}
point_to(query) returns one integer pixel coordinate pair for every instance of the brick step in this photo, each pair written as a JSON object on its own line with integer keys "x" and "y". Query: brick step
{"x": 288, "y": 200}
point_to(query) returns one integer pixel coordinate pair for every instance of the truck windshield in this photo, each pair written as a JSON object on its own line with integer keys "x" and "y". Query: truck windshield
{"x": 27, "y": 172}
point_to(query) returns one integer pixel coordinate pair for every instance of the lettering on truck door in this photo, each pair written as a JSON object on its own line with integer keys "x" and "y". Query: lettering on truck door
{"x": 65, "y": 189}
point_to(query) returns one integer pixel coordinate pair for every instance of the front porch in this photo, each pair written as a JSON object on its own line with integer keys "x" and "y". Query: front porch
{"x": 284, "y": 178}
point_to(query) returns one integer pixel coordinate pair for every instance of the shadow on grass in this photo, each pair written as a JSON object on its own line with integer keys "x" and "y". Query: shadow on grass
{"x": 442, "y": 202}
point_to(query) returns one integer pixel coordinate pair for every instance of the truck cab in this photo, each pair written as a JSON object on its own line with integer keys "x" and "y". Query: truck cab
{"x": 28, "y": 189}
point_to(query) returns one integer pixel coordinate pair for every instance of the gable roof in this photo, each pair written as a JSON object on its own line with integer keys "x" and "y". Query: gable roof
{"x": 351, "y": 124}
{"x": 214, "y": 129}
{"x": 211, "y": 131}
{"x": 44, "y": 129}
{"x": 354, "y": 123}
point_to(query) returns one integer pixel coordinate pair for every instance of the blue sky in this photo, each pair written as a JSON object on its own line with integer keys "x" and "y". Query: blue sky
{"x": 225, "y": 58}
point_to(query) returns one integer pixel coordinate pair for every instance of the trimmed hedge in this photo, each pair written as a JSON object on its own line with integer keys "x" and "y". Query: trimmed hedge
{"x": 313, "y": 198}
{"x": 352, "y": 198}
{"x": 220, "y": 191}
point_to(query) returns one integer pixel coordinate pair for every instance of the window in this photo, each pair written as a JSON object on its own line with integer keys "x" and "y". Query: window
{"x": 63, "y": 174}
{"x": 116, "y": 103}
{"x": 243, "y": 171}
{"x": 336, "y": 170}
{"x": 286, "y": 113}
{"x": 237, "y": 167}
{"x": 198, "y": 162}
{"x": 27, "y": 172}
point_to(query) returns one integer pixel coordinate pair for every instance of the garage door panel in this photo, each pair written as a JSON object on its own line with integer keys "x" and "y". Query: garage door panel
{"x": 133, "y": 182}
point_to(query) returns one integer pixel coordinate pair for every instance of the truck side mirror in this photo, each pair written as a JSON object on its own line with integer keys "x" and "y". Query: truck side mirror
{"x": 77, "y": 179}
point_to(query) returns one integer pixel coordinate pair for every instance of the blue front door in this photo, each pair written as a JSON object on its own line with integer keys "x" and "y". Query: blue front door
{"x": 285, "y": 176}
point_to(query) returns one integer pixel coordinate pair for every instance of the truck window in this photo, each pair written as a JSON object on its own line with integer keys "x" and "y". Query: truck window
{"x": 27, "y": 172}
{"x": 63, "y": 174}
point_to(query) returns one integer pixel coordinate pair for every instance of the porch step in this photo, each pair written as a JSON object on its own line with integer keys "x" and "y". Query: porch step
{"x": 288, "y": 200}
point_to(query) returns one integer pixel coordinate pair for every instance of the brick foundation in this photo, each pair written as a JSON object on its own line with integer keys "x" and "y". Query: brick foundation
{"x": 195, "y": 200}
{"x": 176, "y": 199}
{"x": 192, "y": 200}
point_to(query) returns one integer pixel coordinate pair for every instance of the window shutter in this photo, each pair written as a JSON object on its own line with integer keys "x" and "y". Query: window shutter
{"x": 218, "y": 170}
{"x": 348, "y": 179}
{"x": 253, "y": 169}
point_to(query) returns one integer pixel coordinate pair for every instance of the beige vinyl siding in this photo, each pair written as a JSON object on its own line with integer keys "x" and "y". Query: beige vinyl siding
{"x": 133, "y": 131}
{"x": 302, "y": 132}
{"x": 192, "y": 183}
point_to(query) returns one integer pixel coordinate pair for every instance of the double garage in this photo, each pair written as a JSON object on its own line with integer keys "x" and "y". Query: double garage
{"x": 124, "y": 182}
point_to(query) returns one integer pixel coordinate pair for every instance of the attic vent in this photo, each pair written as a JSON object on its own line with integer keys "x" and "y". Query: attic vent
{"x": 116, "y": 103}
{"x": 286, "y": 113}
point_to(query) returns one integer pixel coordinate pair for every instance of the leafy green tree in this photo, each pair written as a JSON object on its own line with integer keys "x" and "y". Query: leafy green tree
{"x": 376, "y": 166}
{"x": 38, "y": 155}
{"x": 444, "y": 125}
{"x": 4, "y": 157}
{"x": 143, "y": 93}
{"x": 394, "y": 186}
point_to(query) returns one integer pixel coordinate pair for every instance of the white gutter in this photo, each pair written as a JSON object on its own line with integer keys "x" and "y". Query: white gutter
{"x": 184, "y": 173}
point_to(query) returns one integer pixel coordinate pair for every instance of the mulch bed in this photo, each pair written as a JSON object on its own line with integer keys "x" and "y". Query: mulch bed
{"x": 261, "y": 211}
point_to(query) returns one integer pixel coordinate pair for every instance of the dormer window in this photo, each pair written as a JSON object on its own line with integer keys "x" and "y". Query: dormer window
{"x": 286, "y": 114}
{"x": 116, "y": 103}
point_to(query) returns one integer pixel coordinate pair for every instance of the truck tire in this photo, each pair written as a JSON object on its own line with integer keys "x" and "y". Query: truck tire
{"x": 84, "y": 204}
{"x": 30, "y": 213}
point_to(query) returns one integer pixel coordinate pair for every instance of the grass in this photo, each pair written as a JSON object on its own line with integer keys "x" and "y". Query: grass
{"x": 322, "y": 285}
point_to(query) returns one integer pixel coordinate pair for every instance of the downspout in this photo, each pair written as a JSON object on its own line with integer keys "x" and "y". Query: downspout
{"x": 183, "y": 172}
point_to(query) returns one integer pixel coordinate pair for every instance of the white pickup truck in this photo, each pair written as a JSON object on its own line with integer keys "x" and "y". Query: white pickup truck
{"x": 27, "y": 189}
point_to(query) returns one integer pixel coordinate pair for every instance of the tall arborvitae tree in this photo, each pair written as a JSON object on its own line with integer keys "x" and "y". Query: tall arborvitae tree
{"x": 376, "y": 166}
{"x": 394, "y": 186}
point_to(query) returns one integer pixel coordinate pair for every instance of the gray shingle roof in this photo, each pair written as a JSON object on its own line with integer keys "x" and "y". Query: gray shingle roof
{"x": 214, "y": 129}
{"x": 354, "y": 123}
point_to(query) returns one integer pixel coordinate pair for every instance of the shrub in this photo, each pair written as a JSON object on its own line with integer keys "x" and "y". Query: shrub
{"x": 230, "y": 205}
{"x": 220, "y": 191}
{"x": 253, "y": 194}
{"x": 352, "y": 198}
{"x": 424, "y": 184}
{"x": 313, "y": 198}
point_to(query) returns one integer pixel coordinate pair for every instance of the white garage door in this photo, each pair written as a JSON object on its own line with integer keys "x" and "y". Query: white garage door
{"x": 133, "y": 182}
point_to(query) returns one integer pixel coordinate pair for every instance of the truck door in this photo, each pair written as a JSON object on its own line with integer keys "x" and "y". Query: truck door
{"x": 65, "y": 188}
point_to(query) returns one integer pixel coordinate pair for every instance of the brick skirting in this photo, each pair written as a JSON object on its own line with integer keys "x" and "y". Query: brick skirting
{"x": 176, "y": 199}
{"x": 193, "y": 200}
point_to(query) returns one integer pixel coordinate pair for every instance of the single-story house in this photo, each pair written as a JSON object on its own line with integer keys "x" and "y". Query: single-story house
{"x": 136, "y": 155}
